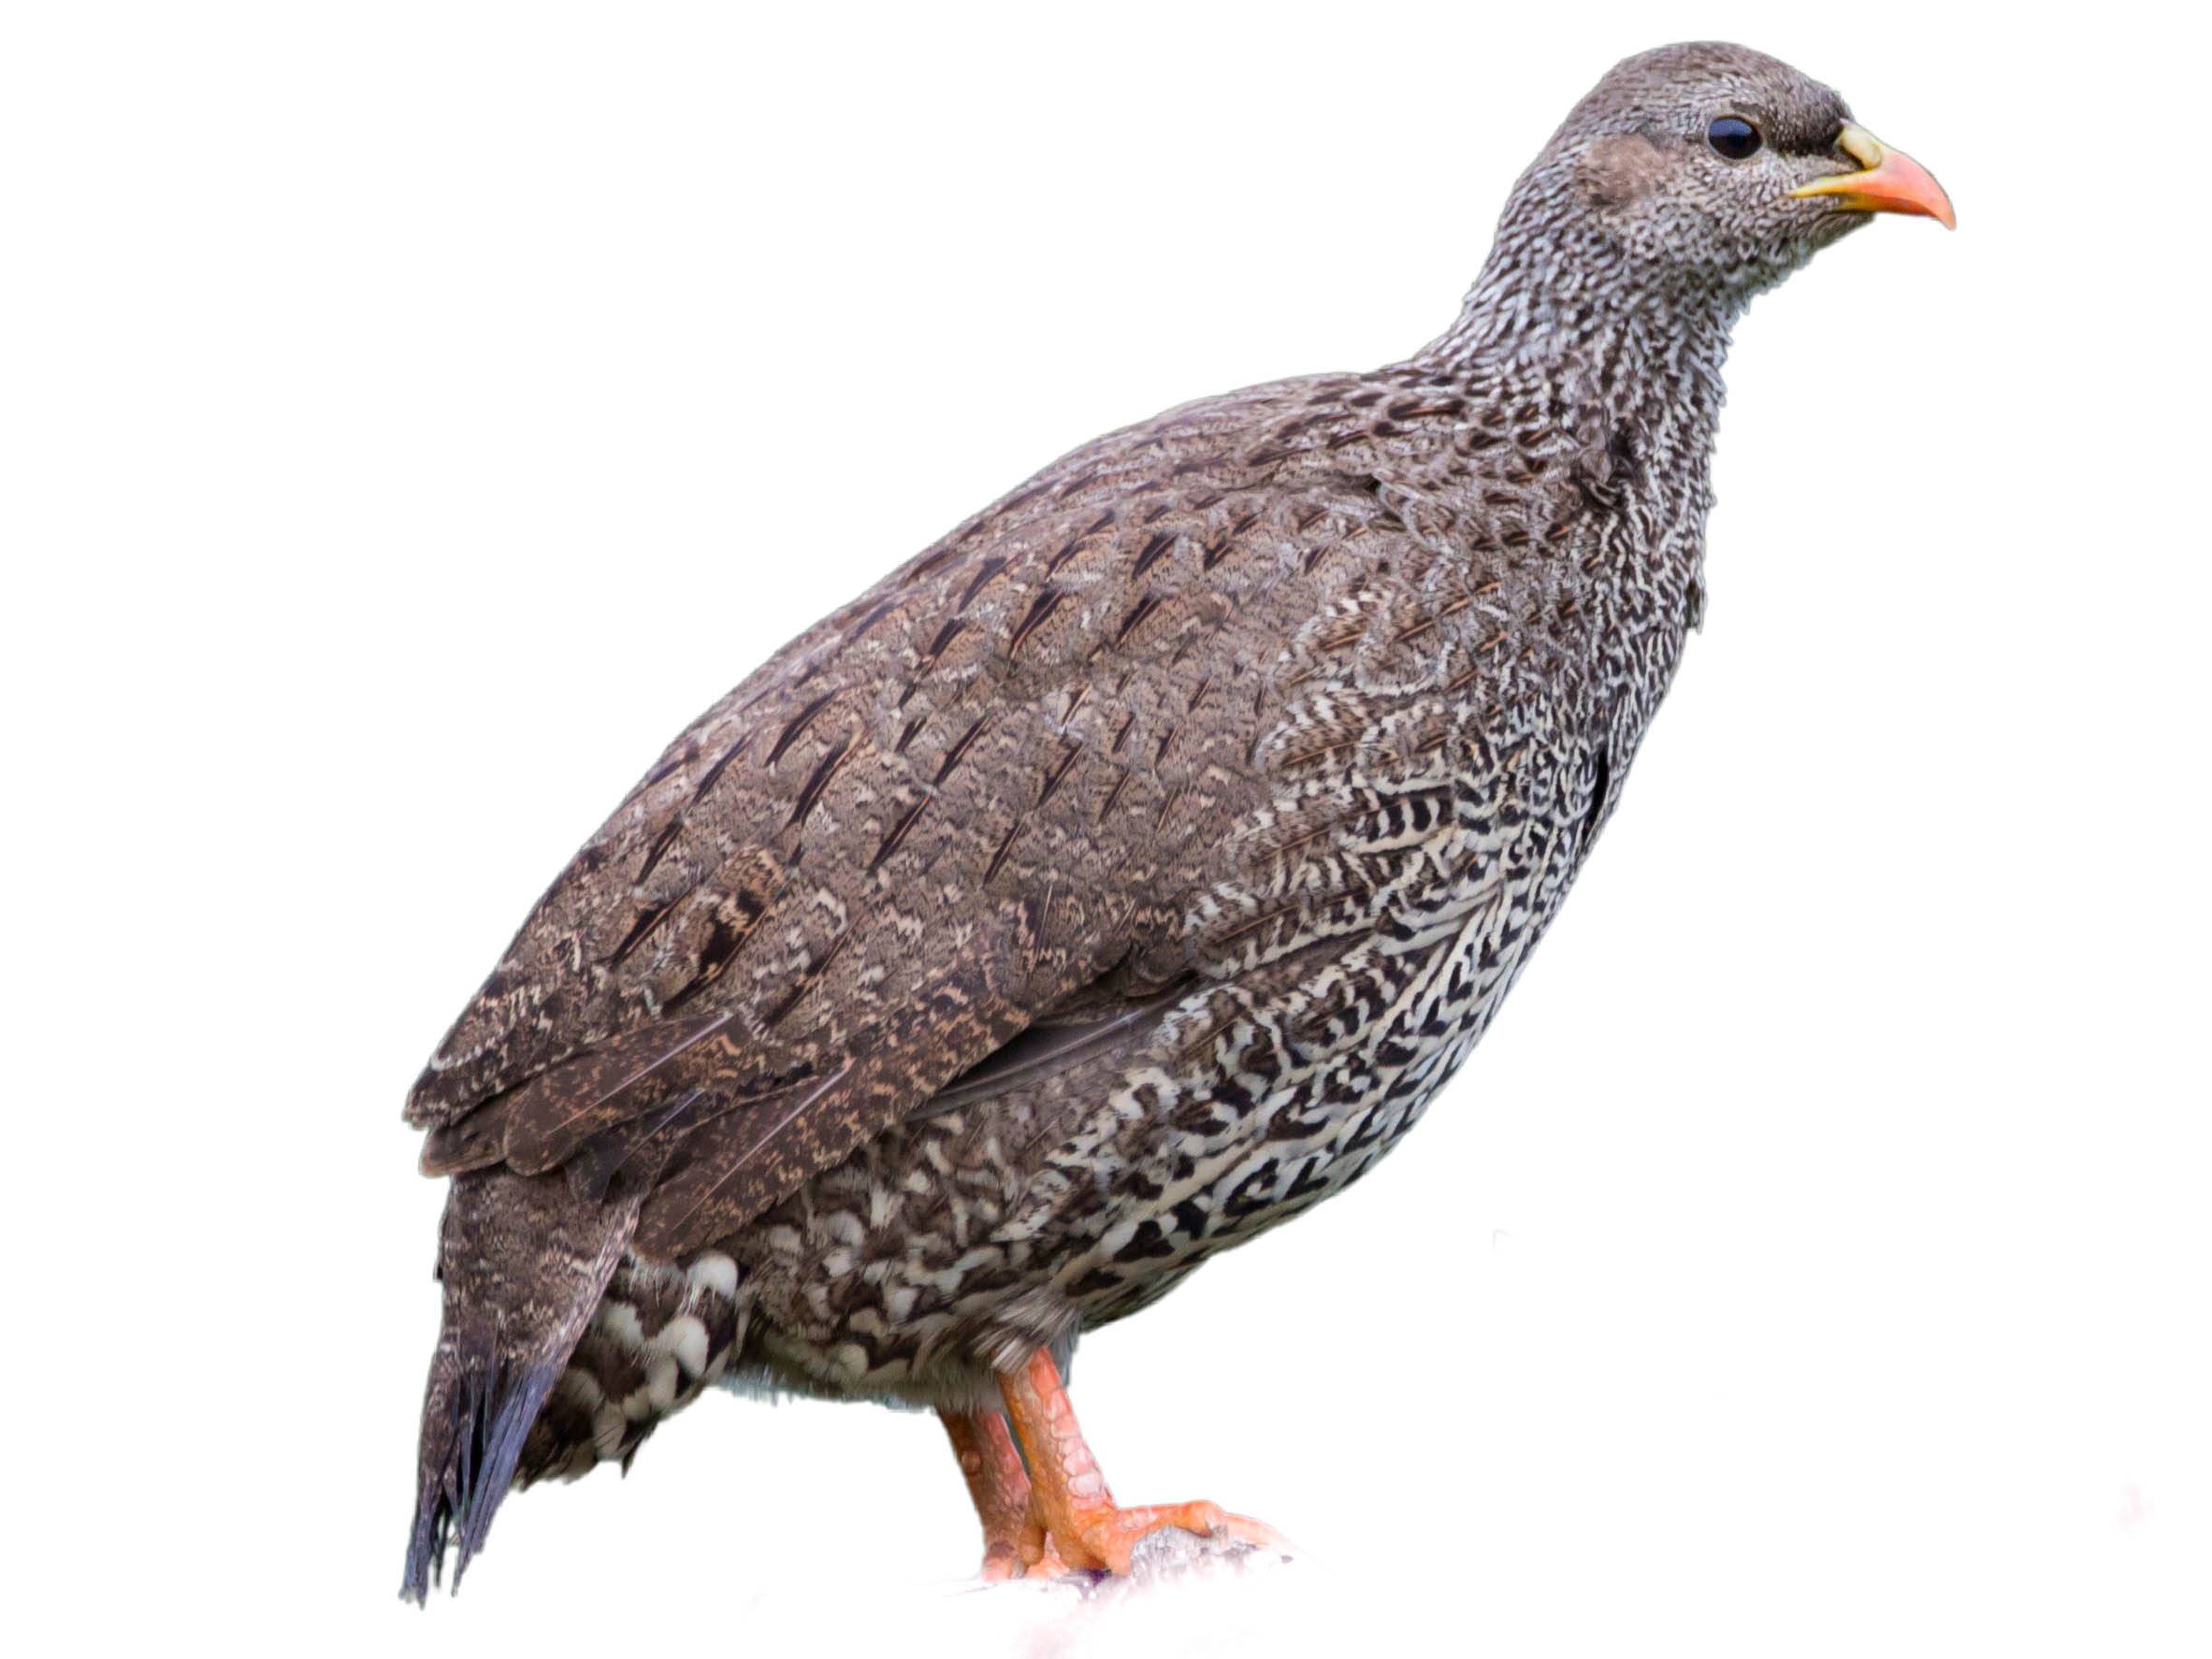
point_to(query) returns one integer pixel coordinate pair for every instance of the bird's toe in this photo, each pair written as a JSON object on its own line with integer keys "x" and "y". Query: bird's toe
{"x": 1104, "y": 1540}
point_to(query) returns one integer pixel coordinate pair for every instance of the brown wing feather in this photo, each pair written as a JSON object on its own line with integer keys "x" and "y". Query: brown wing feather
{"x": 535, "y": 1126}
{"x": 744, "y": 1162}
{"x": 997, "y": 779}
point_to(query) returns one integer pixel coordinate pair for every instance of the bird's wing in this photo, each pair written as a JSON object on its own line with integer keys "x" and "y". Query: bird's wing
{"x": 997, "y": 788}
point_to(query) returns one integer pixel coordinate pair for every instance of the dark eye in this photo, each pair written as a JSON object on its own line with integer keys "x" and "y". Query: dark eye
{"x": 1733, "y": 136}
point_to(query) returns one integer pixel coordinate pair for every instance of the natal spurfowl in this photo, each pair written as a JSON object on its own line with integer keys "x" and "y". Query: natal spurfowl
{"x": 1124, "y": 873}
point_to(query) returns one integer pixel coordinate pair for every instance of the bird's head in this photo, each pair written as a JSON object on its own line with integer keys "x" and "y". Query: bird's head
{"x": 1707, "y": 170}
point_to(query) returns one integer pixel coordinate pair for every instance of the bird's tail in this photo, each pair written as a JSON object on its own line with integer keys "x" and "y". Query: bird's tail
{"x": 524, "y": 1261}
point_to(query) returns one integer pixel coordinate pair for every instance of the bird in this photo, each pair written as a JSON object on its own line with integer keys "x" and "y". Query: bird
{"x": 1123, "y": 874}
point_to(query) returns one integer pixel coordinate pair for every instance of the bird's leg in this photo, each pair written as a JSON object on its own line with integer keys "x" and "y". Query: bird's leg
{"x": 1068, "y": 1495}
{"x": 1014, "y": 1542}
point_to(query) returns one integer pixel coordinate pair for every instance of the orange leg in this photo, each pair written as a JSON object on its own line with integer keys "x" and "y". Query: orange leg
{"x": 1013, "y": 1542}
{"x": 1068, "y": 1499}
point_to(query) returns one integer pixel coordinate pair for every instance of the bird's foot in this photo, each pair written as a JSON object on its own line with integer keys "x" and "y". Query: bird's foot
{"x": 1051, "y": 1516}
{"x": 1072, "y": 1523}
{"x": 1035, "y": 1557}
{"x": 1103, "y": 1537}
{"x": 1027, "y": 1552}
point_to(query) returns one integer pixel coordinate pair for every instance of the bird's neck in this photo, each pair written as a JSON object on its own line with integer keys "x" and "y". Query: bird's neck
{"x": 1572, "y": 321}
{"x": 1557, "y": 341}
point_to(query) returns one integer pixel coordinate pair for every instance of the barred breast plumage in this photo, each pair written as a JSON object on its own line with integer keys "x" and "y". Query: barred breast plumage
{"x": 1116, "y": 879}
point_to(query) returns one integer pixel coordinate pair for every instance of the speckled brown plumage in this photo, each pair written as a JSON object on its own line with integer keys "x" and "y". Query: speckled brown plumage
{"x": 1124, "y": 873}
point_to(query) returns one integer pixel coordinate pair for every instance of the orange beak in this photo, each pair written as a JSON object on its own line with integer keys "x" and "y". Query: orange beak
{"x": 1893, "y": 182}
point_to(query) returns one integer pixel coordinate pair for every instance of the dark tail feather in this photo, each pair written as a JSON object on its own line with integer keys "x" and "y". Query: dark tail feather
{"x": 524, "y": 1261}
{"x": 475, "y": 1420}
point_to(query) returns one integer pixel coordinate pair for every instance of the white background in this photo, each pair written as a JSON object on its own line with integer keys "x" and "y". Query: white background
{"x": 414, "y": 415}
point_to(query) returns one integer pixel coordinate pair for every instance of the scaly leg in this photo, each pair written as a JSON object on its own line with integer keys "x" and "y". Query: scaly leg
{"x": 1014, "y": 1543}
{"x": 1068, "y": 1497}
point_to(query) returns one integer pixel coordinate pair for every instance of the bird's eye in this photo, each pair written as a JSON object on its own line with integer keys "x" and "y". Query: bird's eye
{"x": 1733, "y": 136}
